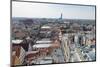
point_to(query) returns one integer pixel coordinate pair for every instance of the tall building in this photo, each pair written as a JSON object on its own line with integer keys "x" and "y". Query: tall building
{"x": 61, "y": 16}
{"x": 60, "y": 19}
{"x": 66, "y": 50}
{"x": 80, "y": 39}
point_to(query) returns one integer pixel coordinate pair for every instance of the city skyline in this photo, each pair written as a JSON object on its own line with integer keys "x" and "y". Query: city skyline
{"x": 44, "y": 10}
{"x": 52, "y": 34}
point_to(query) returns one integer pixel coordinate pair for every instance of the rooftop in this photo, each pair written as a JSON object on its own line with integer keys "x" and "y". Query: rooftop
{"x": 44, "y": 41}
{"x": 17, "y": 41}
{"x": 45, "y": 27}
{"x": 30, "y": 52}
{"x": 42, "y": 45}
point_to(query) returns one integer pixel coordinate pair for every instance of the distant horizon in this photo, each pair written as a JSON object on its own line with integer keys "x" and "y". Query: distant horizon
{"x": 51, "y": 18}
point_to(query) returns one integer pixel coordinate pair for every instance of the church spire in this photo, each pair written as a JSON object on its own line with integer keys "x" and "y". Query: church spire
{"x": 61, "y": 16}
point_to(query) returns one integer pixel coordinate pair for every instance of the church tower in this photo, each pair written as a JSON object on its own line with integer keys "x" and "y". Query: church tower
{"x": 61, "y": 16}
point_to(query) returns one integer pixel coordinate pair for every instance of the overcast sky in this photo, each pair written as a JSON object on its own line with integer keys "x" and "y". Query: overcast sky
{"x": 43, "y": 10}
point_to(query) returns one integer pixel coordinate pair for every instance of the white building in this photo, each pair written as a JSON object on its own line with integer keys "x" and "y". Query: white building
{"x": 66, "y": 43}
